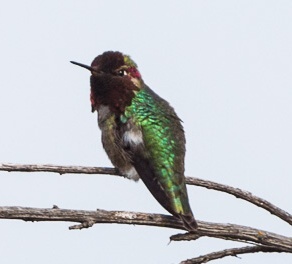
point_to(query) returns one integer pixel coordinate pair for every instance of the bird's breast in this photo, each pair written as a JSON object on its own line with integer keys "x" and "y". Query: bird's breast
{"x": 103, "y": 113}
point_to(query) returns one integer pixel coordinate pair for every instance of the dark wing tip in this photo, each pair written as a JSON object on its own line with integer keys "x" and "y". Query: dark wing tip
{"x": 189, "y": 222}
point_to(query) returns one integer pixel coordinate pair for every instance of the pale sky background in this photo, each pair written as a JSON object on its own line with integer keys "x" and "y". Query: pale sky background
{"x": 225, "y": 66}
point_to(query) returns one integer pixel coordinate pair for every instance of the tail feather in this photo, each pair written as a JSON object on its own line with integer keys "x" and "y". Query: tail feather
{"x": 189, "y": 222}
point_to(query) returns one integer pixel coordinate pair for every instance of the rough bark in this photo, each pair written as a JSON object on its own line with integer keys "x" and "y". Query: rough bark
{"x": 263, "y": 241}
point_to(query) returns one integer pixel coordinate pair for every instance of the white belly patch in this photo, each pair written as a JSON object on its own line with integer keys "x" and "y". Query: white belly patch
{"x": 133, "y": 137}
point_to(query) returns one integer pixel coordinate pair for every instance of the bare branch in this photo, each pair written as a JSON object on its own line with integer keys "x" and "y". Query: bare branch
{"x": 247, "y": 196}
{"x": 89, "y": 218}
{"x": 192, "y": 181}
{"x": 238, "y": 233}
{"x": 264, "y": 241}
{"x": 57, "y": 169}
{"x": 228, "y": 252}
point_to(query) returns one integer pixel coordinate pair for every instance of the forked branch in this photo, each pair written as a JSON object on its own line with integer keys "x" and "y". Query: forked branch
{"x": 89, "y": 218}
{"x": 262, "y": 241}
{"x": 189, "y": 180}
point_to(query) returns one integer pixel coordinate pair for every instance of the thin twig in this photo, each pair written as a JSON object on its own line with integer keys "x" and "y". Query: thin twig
{"x": 57, "y": 169}
{"x": 228, "y": 252}
{"x": 192, "y": 181}
{"x": 89, "y": 218}
{"x": 247, "y": 196}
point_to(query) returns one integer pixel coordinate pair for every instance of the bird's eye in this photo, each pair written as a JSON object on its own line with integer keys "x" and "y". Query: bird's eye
{"x": 122, "y": 73}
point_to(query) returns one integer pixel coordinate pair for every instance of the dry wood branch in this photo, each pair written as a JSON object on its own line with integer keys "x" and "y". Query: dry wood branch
{"x": 238, "y": 193}
{"x": 57, "y": 169}
{"x": 88, "y": 218}
{"x": 228, "y": 252}
{"x": 192, "y": 181}
{"x": 264, "y": 241}
{"x": 238, "y": 233}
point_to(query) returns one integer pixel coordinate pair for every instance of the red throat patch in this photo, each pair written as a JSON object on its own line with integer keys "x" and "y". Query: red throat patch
{"x": 134, "y": 72}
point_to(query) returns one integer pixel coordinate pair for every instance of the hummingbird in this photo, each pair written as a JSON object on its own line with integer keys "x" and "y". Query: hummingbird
{"x": 140, "y": 132}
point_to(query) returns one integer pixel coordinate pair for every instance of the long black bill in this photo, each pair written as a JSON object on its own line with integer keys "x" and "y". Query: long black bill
{"x": 83, "y": 66}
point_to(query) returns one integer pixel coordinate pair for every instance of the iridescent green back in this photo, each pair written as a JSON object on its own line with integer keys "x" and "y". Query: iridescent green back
{"x": 163, "y": 151}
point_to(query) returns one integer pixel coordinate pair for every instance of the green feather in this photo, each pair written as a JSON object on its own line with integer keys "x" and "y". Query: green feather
{"x": 164, "y": 144}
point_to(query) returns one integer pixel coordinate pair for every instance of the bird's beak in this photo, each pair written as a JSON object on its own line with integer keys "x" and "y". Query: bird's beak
{"x": 84, "y": 66}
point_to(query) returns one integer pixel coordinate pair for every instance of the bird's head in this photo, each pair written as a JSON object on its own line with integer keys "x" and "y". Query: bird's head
{"x": 114, "y": 80}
